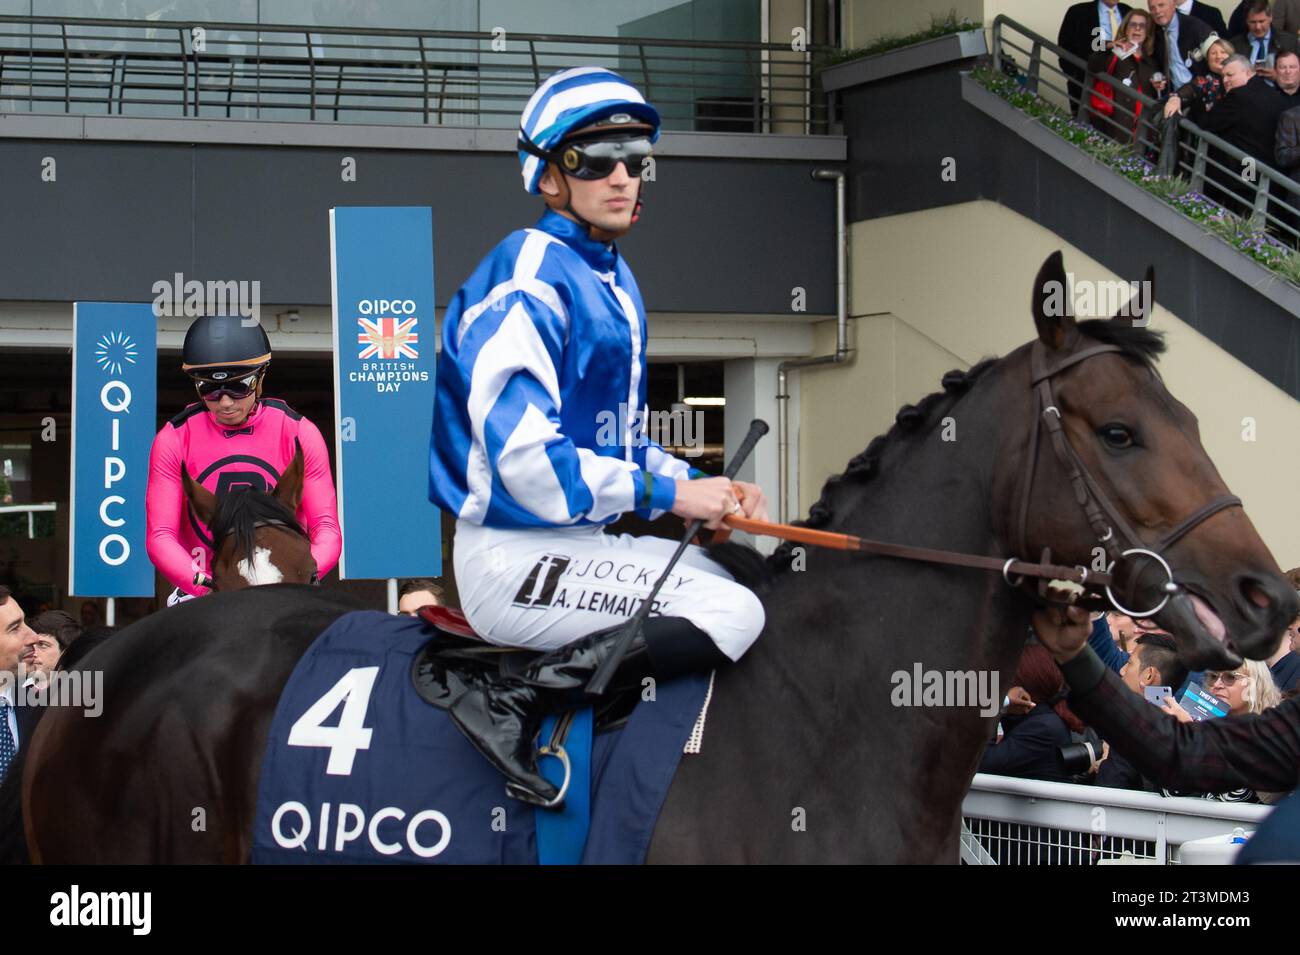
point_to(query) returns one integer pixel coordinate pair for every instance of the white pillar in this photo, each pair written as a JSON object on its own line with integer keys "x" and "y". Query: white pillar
{"x": 750, "y": 387}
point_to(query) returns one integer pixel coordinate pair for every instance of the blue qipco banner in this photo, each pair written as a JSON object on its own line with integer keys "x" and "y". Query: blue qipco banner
{"x": 114, "y": 416}
{"x": 384, "y": 348}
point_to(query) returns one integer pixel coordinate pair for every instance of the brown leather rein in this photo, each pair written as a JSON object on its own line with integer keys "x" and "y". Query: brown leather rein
{"x": 1101, "y": 513}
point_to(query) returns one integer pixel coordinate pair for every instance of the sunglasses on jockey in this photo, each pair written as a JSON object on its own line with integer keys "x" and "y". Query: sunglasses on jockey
{"x": 596, "y": 158}
{"x": 237, "y": 388}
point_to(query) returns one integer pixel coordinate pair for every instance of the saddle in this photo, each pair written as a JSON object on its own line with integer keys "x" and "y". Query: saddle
{"x": 456, "y": 660}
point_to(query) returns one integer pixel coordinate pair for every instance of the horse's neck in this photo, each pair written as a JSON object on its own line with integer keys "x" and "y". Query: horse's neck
{"x": 843, "y": 625}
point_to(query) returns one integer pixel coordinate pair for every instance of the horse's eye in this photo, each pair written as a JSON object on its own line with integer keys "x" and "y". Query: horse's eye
{"x": 1116, "y": 436}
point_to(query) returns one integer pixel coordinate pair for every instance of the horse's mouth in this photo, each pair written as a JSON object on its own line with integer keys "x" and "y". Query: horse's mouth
{"x": 1202, "y": 635}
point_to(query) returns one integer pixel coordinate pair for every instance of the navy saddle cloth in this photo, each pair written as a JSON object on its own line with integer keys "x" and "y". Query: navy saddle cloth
{"x": 358, "y": 768}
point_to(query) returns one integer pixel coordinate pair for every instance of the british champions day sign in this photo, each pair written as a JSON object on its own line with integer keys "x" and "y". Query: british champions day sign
{"x": 381, "y": 263}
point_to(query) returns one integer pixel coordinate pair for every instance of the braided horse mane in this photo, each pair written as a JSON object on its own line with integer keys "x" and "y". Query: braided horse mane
{"x": 1136, "y": 342}
{"x": 910, "y": 420}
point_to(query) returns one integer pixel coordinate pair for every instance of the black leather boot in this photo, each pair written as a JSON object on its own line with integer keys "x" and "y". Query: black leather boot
{"x": 502, "y": 717}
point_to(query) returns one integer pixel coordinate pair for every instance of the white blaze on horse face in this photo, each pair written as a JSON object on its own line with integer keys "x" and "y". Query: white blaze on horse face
{"x": 261, "y": 570}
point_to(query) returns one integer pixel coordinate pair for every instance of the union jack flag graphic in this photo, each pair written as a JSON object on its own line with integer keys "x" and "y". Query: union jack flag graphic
{"x": 388, "y": 338}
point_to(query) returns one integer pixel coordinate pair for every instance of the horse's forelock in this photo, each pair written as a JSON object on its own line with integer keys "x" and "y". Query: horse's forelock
{"x": 239, "y": 513}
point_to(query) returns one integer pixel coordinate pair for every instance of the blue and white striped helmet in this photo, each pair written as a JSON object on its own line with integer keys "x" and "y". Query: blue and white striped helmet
{"x": 570, "y": 100}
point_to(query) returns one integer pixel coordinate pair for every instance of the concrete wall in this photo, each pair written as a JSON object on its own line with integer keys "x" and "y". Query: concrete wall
{"x": 867, "y": 20}
{"x": 927, "y": 297}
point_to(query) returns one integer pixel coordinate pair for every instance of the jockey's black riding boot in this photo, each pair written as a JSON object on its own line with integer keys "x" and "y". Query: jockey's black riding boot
{"x": 502, "y": 719}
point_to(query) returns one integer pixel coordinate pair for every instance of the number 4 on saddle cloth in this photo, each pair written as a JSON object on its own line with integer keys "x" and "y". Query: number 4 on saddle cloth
{"x": 360, "y": 768}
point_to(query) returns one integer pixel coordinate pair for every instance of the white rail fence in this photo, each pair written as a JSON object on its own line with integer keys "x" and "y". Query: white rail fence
{"x": 1009, "y": 821}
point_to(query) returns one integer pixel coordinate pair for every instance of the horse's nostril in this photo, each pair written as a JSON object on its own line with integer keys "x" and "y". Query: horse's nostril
{"x": 1256, "y": 594}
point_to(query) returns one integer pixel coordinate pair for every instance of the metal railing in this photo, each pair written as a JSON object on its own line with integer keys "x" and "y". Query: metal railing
{"x": 1011, "y": 821}
{"x": 1245, "y": 186}
{"x": 31, "y": 510}
{"x": 347, "y": 74}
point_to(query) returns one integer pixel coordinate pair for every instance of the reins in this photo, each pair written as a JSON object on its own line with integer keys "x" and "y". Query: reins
{"x": 1102, "y": 514}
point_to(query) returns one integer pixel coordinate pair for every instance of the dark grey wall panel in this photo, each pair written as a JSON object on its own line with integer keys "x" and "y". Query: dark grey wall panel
{"x": 899, "y": 131}
{"x": 718, "y": 235}
{"x": 114, "y": 221}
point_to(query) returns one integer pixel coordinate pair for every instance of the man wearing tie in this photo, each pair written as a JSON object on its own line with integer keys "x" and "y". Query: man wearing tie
{"x": 1177, "y": 35}
{"x": 1088, "y": 28}
{"x": 1261, "y": 43}
{"x": 16, "y": 722}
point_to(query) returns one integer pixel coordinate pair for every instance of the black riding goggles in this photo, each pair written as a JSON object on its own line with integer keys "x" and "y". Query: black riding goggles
{"x": 237, "y": 388}
{"x": 596, "y": 158}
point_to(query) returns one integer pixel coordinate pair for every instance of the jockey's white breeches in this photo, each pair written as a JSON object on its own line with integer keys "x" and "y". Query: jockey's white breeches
{"x": 543, "y": 588}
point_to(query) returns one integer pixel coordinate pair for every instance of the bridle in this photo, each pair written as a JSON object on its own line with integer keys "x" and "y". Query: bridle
{"x": 1116, "y": 536}
{"x": 1114, "y": 533}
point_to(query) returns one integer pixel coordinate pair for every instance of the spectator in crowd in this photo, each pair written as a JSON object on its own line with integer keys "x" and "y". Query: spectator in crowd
{"x": 1203, "y": 91}
{"x": 1154, "y": 663}
{"x": 1286, "y": 72}
{"x": 1130, "y": 62}
{"x": 1083, "y": 26}
{"x": 1247, "y": 118}
{"x": 1247, "y": 689}
{"x": 1112, "y": 639}
{"x": 1212, "y": 17}
{"x": 1031, "y": 745}
{"x": 1285, "y": 664}
{"x": 1286, "y": 142}
{"x": 1176, "y": 36}
{"x": 89, "y": 614}
{"x": 55, "y": 631}
{"x": 418, "y": 592}
{"x": 1286, "y": 17}
{"x": 1260, "y": 44}
{"x": 15, "y": 638}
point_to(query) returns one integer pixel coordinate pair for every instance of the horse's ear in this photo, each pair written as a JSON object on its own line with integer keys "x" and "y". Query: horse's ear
{"x": 289, "y": 490}
{"x": 1138, "y": 310}
{"x": 203, "y": 501}
{"x": 1053, "y": 316}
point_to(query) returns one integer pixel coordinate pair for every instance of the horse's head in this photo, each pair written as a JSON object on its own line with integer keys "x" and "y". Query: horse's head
{"x": 256, "y": 536}
{"x": 1122, "y": 467}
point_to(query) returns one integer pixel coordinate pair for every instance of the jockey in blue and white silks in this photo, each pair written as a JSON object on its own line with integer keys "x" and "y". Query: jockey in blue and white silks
{"x": 538, "y": 441}
{"x": 540, "y": 387}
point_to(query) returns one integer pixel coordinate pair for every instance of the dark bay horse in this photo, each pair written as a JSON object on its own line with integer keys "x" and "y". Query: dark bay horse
{"x": 809, "y": 755}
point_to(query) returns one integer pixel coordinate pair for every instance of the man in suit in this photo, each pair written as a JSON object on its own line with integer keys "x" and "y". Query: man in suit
{"x": 1177, "y": 35}
{"x": 1261, "y": 43}
{"x": 1088, "y": 28}
{"x": 1247, "y": 117}
{"x": 16, "y": 722}
{"x": 1207, "y": 14}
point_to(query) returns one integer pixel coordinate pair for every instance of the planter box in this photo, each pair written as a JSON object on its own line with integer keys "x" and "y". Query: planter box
{"x": 919, "y": 56}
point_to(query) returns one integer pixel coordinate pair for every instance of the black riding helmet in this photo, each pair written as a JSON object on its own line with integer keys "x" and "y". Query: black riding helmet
{"x": 223, "y": 346}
